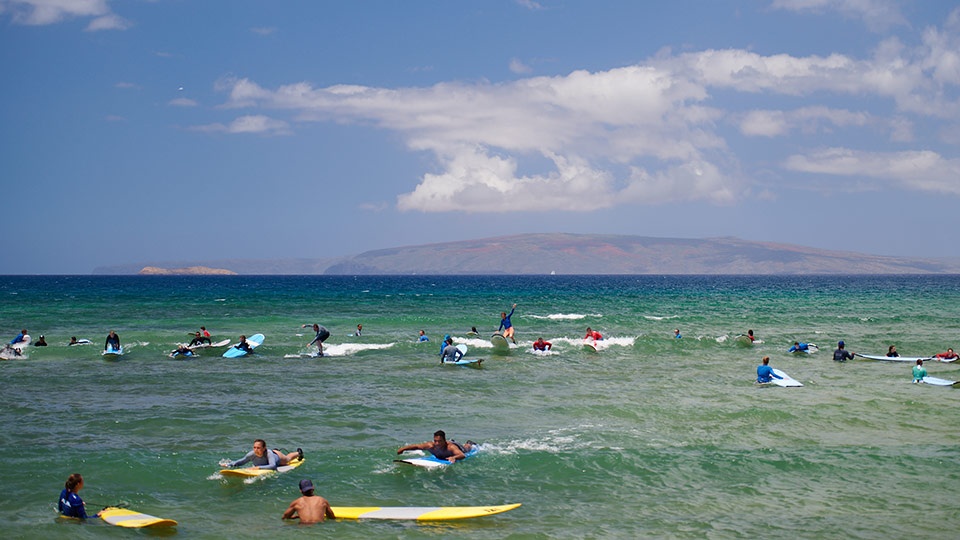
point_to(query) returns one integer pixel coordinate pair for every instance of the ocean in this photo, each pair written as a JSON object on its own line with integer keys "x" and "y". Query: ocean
{"x": 651, "y": 437}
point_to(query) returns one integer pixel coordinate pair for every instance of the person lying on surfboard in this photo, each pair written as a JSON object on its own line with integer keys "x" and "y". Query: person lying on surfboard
{"x": 797, "y": 347}
{"x": 309, "y": 508}
{"x": 70, "y": 504}
{"x": 949, "y": 355}
{"x": 593, "y": 334}
{"x": 765, "y": 373}
{"x": 113, "y": 341}
{"x": 506, "y": 325}
{"x": 541, "y": 345}
{"x": 262, "y": 459}
{"x": 441, "y": 448}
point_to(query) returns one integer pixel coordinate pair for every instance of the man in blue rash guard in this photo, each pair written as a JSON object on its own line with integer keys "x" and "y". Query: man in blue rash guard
{"x": 322, "y": 335}
{"x": 20, "y": 339}
{"x": 260, "y": 458}
{"x": 506, "y": 325}
{"x": 443, "y": 343}
{"x": 797, "y": 347}
{"x": 765, "y": 373}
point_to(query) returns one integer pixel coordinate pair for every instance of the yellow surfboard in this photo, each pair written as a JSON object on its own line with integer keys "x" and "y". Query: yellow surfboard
{"x": 419, "y": 513}
{"x": 122, "y": 517}
{"x": 250, "y": 471}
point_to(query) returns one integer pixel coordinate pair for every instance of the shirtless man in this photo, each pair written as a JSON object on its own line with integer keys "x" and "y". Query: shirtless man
{"x": 309, "y": 508}
{"x": 441, "y": 448}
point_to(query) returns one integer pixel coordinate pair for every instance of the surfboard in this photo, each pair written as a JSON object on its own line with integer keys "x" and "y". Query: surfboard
{"x": 81, "y": 342}
{"x": 500, "y": 343}
{"x": 178, "y": 354}
{"x": 946, "y": 361}
{"x": 222, "y": 343}
{"x": 743, "y": 339}
{"x": 12, "y": 353}
{"x": 590, "y": 345}
{"x": 472, "y": 334}
{"x": 462, "y": 347}
{"x": 254, "y": 341}
{"x": 112, "y": 354}
{"x": 419, "y": 513}
{"x": 910, "y": 359}
{"x": 249, "y": 472}
{"x": 122, "y": 517}
{"x": 787, "y": 381}
{"x": 430, "y": 462}
{"x": 938, "y": 382}
{"x": 811, "y": 348}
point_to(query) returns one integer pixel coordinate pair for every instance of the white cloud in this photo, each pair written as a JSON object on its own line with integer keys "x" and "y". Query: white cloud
{"x": 263, "y": 30}
{"x": 647, "y": 133}
{"x": 249, "y": 124}
{"x": 517, "y": 66}
{"x": 182, "y": 102}
{"x": 877, "y": 15}
{"x": 45, "y": 12}
{"x": 918, "y": 170}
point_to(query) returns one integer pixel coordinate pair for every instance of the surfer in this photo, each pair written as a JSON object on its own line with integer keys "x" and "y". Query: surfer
{"x": 541, "y": 345}
{"x": 199, "y": 340}
{"x": 113, "y": 341}
{"x": 676, "y": 334}
{"x": 71, "y": 505}
{"x": 322, "y": 335}
{"x": 450, "y": 353}
{"x": 182, "y": 350}
{"x": 750, "y": 335}
{"x": 309, "y": 508}
{"x": 919, "y": 372}
{"x": 262, "y": 459}
{"x": 21, "y": 339}
{"x": 441, "y": 448}
{"x": 840, "y": 355}
{"x": 798, "y": 347}
{"x": 506, "y": 325}
{"x": 40, "y": 342}
{"x": 243, "y": 345}
{"x": 359, "y": 330}
{"x": 949, "y": 355}
{"x": 593, "y": 334}
{"x": 423, "y": 336}
{"x": 473, "y": 330}
{"x": 205, "y": 333}
{"x": 765, "y": 373}
{"x": 892, "y": 352}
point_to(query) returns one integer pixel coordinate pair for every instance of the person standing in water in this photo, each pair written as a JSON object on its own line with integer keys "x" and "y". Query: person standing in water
{"x": 919, "y": 372}
{"x": 70, "y": 503}
{"x": 309, "y": 508}
{"x": 322, "y": 335}
{"x": 506, "y": 325}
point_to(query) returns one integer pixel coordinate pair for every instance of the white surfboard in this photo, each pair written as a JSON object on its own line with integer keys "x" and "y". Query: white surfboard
{"x": 938, "y": 382}
{"x": 785, "y": 381}
{"x": 882, "y": 358}
{"x": 500, "y": 343}
{"x": 221, "y": 343}
{"x": 590, "y": 345}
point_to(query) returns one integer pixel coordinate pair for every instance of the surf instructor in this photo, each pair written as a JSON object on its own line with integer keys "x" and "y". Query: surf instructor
{"x": 309, "y": 508}
{"x": 322, "y": 335}
{"x": 441, "y": 448}
{"x": 113, "y": 341}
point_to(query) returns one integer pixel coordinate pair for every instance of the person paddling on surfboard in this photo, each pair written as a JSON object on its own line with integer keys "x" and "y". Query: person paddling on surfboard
{"x": 949, "y": 355}
{"x": 262, "y": 459}
{"x": 243, "y": 345}
{"x": 113, "y": 341}
{"x": 765, "y": 373}
{"x": 506, "y": 325}
{"x": 199, "y": 339}
{"x": 593, "y": 334}
{"x": 798, "y": 347}
{"x": 441, "y": 448}
{"x": 541, "y": 345}
{"x": 309, "y": 508}
{"x": 322, "y": 335}
{"x": 70, "y": 504}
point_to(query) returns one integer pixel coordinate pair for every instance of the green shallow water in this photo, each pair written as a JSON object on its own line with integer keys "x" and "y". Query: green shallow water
{"x": 651, "y": 437}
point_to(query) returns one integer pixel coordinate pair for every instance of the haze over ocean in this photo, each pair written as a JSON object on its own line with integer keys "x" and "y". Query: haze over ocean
{"x": 650, "y": 437}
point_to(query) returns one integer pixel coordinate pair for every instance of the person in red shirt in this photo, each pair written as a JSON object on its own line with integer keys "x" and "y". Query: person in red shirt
{"x": 949, "y": 355}
{"x": 541, "y": 345}
{"x": 593, "y": 334}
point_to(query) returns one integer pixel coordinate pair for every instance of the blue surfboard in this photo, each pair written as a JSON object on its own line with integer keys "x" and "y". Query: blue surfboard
{"x": 431, "y": 462}
{"x": 254, "y": 341}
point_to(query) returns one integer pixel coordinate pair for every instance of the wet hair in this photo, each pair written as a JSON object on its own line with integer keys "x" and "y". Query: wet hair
{"x": 73, "y": 481}
{"x": 261, "y": 441}
{"x": 440, "y": 433}
{"x": 766, "y": 359}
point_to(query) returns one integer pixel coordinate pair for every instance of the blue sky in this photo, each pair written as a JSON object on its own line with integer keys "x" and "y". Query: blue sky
{"x": 174, "y": 130}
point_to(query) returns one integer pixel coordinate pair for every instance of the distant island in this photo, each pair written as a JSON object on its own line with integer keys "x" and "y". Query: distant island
{"x": 568, "y": 254}
{"x": 189, "y": 271}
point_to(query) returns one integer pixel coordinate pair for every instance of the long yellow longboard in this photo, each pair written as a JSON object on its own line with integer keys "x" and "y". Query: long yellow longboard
{"x": 250, "y": 471}
{"x": 121, "y": 517}
{"x": 419, "y": 513}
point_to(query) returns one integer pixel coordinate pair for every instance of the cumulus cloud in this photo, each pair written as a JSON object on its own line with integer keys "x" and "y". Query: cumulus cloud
{"x": 647, "y": 133}
{"x": 45, "y": 12}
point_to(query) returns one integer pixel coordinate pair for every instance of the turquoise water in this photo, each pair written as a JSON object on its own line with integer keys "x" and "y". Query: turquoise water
{"x": 651, "y": 437}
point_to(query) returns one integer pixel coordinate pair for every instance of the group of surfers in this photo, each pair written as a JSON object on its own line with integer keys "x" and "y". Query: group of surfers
{"x": 308, "y": 508}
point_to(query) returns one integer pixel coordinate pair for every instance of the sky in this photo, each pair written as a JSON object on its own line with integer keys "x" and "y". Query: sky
{"x": 176, "y": 130}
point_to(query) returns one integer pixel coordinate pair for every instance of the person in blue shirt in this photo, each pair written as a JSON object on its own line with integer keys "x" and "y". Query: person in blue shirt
{"x": 20, "y": 339}
{"x": 506, "y": 325}
{"x": 765, "y": 373}
{"x": 676, "y": 334}
{"x": 322, "y": 335}
{"x": 70, "y": 504}
{"x": 261, "y": 458}
{"x": 443, "y": 343}
{"x": 798, "y": 347}
{"x": 423, "y": 336}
